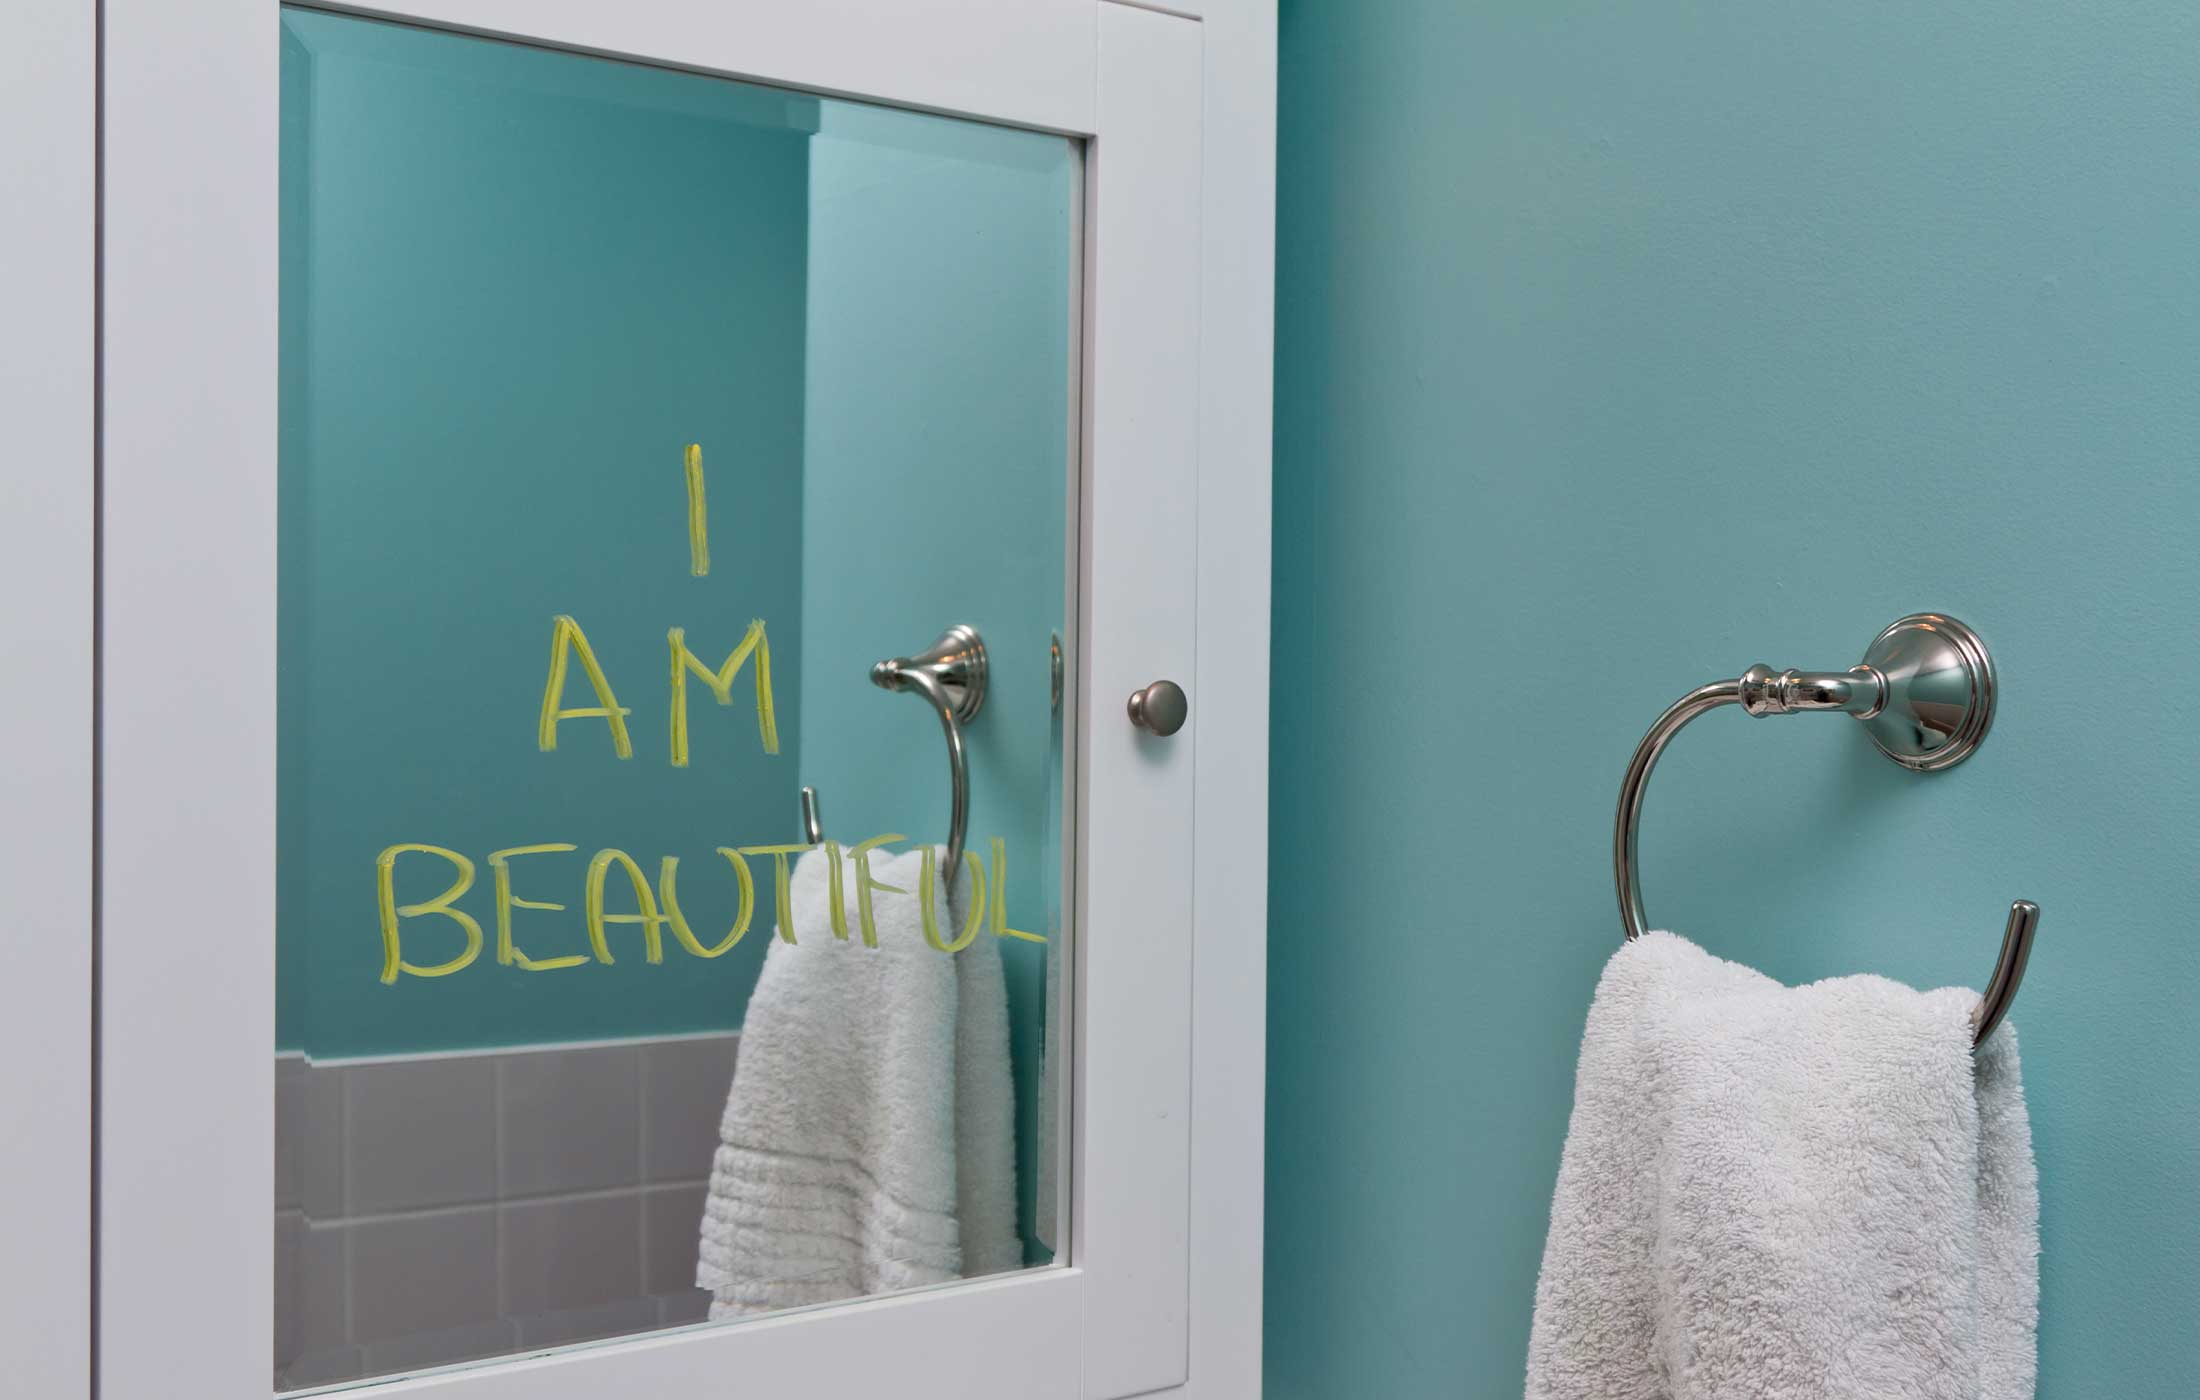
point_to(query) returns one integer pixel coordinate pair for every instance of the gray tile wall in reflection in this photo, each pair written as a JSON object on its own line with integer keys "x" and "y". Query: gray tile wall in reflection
{"x": 446, "y": 1207}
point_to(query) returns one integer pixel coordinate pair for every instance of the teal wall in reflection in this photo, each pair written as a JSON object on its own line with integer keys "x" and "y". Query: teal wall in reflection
{"x": 515, "y": 285}
{"x": 936, "y": 468}
{"x": 1619, "y": 348}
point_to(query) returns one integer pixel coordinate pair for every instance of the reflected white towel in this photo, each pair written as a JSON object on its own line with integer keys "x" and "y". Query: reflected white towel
{"x": 868, "y": 1139}
{"x": 1787, "y": 1192}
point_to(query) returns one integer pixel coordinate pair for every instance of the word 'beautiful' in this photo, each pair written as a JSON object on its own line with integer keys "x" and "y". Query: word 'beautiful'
{"x": 658, "y": 910}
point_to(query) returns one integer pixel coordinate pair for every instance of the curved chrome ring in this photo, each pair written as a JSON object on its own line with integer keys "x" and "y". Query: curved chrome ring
{"x": 1626, "y": 867}
{"x": 1861, "y": 693}
{"x": 951, "y": 675}
{"x": 958, "y": 766}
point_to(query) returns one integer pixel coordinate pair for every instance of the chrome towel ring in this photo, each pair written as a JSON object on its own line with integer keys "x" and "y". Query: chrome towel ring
{"x": 951, "y": 674}
{"x": 1924, "y": 693}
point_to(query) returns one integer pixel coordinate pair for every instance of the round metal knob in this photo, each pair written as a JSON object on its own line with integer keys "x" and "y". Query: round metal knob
{"x": 1160, "y": 708}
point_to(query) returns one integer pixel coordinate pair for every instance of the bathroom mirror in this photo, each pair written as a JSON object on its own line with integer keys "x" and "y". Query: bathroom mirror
{"x": 628, "y": 416}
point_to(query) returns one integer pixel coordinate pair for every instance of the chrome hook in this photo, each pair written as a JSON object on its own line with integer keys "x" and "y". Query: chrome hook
{"x": 951, "y": 674}
{"x": 2016, "y": 950}
{"x": 1925, "y": 694}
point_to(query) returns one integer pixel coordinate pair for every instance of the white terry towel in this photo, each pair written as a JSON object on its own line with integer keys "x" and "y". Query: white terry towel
{"x": 868, "y": 1142}
{"x": 1787, "y": 1192}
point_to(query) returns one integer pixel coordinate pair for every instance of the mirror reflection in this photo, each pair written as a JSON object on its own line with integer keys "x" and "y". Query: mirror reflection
{"x": 630, "y": 418}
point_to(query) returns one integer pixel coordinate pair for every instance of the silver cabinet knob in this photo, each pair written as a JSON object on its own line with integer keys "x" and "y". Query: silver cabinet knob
{"x": 1160, "y": 708}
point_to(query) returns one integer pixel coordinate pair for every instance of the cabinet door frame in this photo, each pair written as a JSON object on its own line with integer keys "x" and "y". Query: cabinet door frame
{"x": 1161, "y": 1292}
{"x": 48, "y": 213}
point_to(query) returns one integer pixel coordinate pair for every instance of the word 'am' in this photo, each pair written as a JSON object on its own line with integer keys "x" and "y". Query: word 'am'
{"x": 568, "y": 644}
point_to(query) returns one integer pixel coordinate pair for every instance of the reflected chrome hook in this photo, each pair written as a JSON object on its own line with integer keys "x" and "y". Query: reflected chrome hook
{"x": 951, "y": 674}
{"x": 1925, "y": 694}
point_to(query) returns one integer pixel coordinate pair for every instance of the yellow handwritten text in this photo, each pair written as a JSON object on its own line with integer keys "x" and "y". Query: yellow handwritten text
{"x": 653, "y": 943}
{"x": 1000, "y": 896}
{"x": 720, "y": 682}
{"x": 680, "y": 929}
{"x": 930, "y": 922}
{"x": 656, "y": 909}
{"x": 566, "y": 637}
{"x": 500, "y": 872}
{"x": 837, "y": 906}
{"x": 698, "y": 514}
{"x": 782, "y": 902}
{"x": 861, "y": 852}
{"x": 385, "y": 888}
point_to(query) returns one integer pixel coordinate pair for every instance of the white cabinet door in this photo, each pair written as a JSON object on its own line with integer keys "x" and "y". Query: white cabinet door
{"x": 422, "y": 337}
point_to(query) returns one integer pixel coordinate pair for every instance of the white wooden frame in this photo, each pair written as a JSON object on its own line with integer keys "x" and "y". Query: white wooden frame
{"x": 47, "y": 214}
{"x": 1162, "y": 1292}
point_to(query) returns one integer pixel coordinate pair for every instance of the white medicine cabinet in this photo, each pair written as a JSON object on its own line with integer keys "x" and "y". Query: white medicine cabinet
{"x": 658, "y": 626}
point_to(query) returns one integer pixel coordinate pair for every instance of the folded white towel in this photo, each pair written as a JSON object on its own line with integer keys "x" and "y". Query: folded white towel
{"x": 985, "y": 1098}
{"x": 1787, "y": 1192}
{"x": 868, "y": 1139}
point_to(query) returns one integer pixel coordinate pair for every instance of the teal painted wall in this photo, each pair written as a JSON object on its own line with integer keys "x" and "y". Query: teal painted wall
{"x": 937, "y": 464}
{"x": 1621, "y": 348}
{"x": 515, "y": 285}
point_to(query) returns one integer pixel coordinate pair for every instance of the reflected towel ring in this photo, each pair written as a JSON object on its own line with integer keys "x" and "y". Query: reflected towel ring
{"x": 1925, "y": 694}
{"x": 951, "y": 674}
